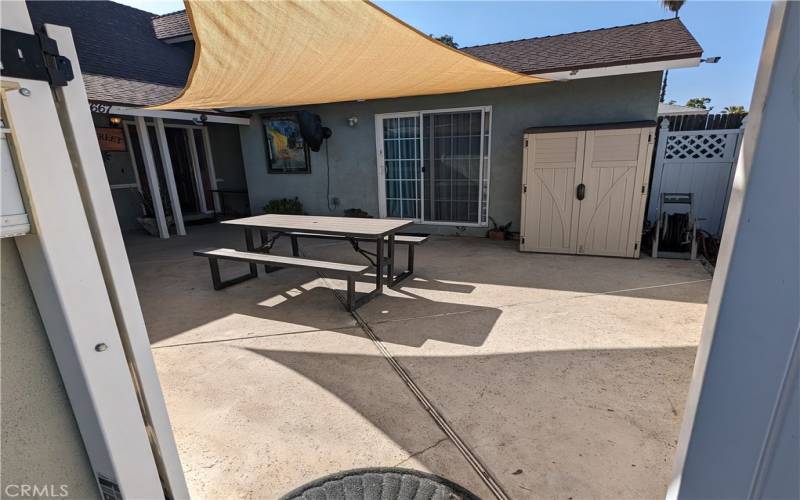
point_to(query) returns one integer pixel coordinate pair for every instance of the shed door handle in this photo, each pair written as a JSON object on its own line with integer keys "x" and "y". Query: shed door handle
{"x": 580, "y": 192}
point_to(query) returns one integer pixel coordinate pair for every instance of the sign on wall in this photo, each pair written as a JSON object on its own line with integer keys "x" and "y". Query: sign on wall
{"x": 111, "y": 139}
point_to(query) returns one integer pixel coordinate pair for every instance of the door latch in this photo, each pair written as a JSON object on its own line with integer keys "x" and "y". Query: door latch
{"x": 580, "y": 192}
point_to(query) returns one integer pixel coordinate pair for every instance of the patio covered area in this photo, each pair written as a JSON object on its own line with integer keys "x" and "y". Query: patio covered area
{"x": 564, "y": 375}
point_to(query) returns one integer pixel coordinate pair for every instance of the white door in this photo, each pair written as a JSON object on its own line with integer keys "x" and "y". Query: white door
{"x": 550, "y": 209}
{"x": 613, "y": 169}
{"x": 584, "y": 191}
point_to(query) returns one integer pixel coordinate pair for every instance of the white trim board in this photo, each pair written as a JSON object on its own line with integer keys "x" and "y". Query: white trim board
{"x": 116, "y": 271}
{"x": 167, "y": 115}
{"x": 65, "y": 262}
{"x": 625, "y": 69}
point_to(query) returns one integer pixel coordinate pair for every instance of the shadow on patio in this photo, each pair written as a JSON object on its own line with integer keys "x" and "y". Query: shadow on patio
{"x": 587, "y": 423}
{"x": 566, "y": 375}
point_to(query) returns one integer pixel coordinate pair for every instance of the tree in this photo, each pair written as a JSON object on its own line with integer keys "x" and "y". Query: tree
{"x": 673, "y": 5}
{"x": 699, "y": 103}
{"x": 446, "y": 39}
{"x": 734, "y": 110}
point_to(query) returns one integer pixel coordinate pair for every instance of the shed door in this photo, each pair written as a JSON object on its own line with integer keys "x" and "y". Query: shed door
{"x": 613, "y": 172}
{"x": 550, "y": 210}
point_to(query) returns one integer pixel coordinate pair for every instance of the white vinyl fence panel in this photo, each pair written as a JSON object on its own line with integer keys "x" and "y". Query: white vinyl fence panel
{"x": 699, "y": 162}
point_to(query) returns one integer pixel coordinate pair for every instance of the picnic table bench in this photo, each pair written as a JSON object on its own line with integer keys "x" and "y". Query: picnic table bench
{"x": 383, "y": 232}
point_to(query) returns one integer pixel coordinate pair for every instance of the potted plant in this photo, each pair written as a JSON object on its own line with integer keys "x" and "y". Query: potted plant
{"x": 357, "y": 212}
{"x": 290, "y": 206}
{"x": 498, "y": 232}
{"x": 148, "y": 220}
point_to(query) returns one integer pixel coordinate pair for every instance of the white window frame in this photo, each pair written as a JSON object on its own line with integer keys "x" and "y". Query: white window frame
{"x": 485, "y": 155}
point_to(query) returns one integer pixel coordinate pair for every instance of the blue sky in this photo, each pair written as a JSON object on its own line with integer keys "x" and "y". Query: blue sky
{"x": 732, "y": 30}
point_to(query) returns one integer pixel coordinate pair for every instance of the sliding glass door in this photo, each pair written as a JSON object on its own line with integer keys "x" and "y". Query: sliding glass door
{"x": 401, "y": 149}
{"x": 434, "y": 165}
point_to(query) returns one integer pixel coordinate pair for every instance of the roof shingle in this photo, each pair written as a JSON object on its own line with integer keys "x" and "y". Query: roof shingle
{"x": 117, "y": 41}
{"x": 130, "y": 92}
{"x": 637, "y": 43}
{"x": 172, "y": 25}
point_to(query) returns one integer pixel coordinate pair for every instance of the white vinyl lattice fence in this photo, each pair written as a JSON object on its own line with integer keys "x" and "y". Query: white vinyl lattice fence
{"x": 700, "y": 162}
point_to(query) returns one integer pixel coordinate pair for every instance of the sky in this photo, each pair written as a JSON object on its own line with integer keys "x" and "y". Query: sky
{"x": 733, "y": 30}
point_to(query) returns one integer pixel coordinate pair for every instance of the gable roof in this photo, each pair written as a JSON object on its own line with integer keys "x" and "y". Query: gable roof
{"x": 653, "y": 41}
{"x": 174, "y": 24}
{"x": 127, "y": 49}
{"x": 116, "y": 42}
{"x": 636, "y": 43}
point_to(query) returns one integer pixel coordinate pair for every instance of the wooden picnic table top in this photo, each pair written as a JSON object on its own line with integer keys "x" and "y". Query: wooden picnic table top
{"x": 341, "y": 226}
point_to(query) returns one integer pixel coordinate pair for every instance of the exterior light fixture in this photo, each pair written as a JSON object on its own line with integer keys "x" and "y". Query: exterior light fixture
{"x": 711, "y": 60}
{"x": 352, "y": 121}
{"x": 115, "y": 120}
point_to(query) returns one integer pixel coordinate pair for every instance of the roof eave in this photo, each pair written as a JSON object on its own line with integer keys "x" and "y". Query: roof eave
{"x": 624, "y": 68}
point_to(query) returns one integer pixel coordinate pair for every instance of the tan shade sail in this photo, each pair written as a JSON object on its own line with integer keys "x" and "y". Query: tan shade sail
{"x": 283, "y": 53}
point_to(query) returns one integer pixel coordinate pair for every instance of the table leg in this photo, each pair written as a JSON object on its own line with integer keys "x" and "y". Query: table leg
{"x": 250, "y": 245}
{"x": 264, "y": 235}
{"x": 390, "y": 260}
{"x": 379, "y": 265}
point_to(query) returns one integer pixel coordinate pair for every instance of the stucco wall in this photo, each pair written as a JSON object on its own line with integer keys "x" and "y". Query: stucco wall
{"x": 41, "y": 444}
{"x": 354, "y": 177}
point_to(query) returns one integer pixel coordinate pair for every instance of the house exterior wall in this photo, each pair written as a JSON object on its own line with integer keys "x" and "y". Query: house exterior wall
{"x": 41, "y": 444}
{"x": 353, "y": 162}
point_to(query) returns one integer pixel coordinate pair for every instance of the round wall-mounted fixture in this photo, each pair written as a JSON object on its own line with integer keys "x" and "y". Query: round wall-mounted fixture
{"x": 115, "y": 120}
{"x": 352, "y": 121}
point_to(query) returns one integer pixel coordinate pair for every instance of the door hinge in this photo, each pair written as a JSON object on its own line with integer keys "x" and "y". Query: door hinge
{"x": 643, "y": 188}
{"x": 526, "y": 143}
{"x": 33, "y": 57}
{"x": 524, "y": 188}
{"x": 522, "y": 240}
{"x": 649, "y": 138}
{"x": 635, "y": 246}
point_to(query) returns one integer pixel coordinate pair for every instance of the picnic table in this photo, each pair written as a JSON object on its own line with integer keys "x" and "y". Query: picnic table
{"x": 271, "y": 227}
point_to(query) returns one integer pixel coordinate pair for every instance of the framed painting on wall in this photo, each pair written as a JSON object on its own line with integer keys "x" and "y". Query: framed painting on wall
{"x": 287, "y": 152}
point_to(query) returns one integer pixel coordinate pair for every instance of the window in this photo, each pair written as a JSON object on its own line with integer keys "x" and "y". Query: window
{"x": 434, "y": 165}
{"x": 287, "y": 153}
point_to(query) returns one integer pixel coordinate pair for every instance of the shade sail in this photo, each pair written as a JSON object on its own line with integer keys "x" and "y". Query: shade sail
{"x": 283, "y": 53}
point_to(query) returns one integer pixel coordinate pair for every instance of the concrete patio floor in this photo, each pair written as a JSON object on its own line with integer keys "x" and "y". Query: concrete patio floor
{"x": 565, "y": 375}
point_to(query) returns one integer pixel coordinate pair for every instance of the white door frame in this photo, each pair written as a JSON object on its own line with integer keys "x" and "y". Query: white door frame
{"x": 195, "y": 159}
{"x": 485, "y": 156}
{"x": 382, "y": 159}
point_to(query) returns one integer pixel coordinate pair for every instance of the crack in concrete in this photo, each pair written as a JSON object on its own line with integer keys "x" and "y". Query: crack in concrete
{"x": 420, "y": 452}
{"x": 266, "y": 335}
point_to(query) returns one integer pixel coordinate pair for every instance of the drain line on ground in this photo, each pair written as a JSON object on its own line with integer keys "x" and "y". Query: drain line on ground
{"x": 474, "y": 462}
